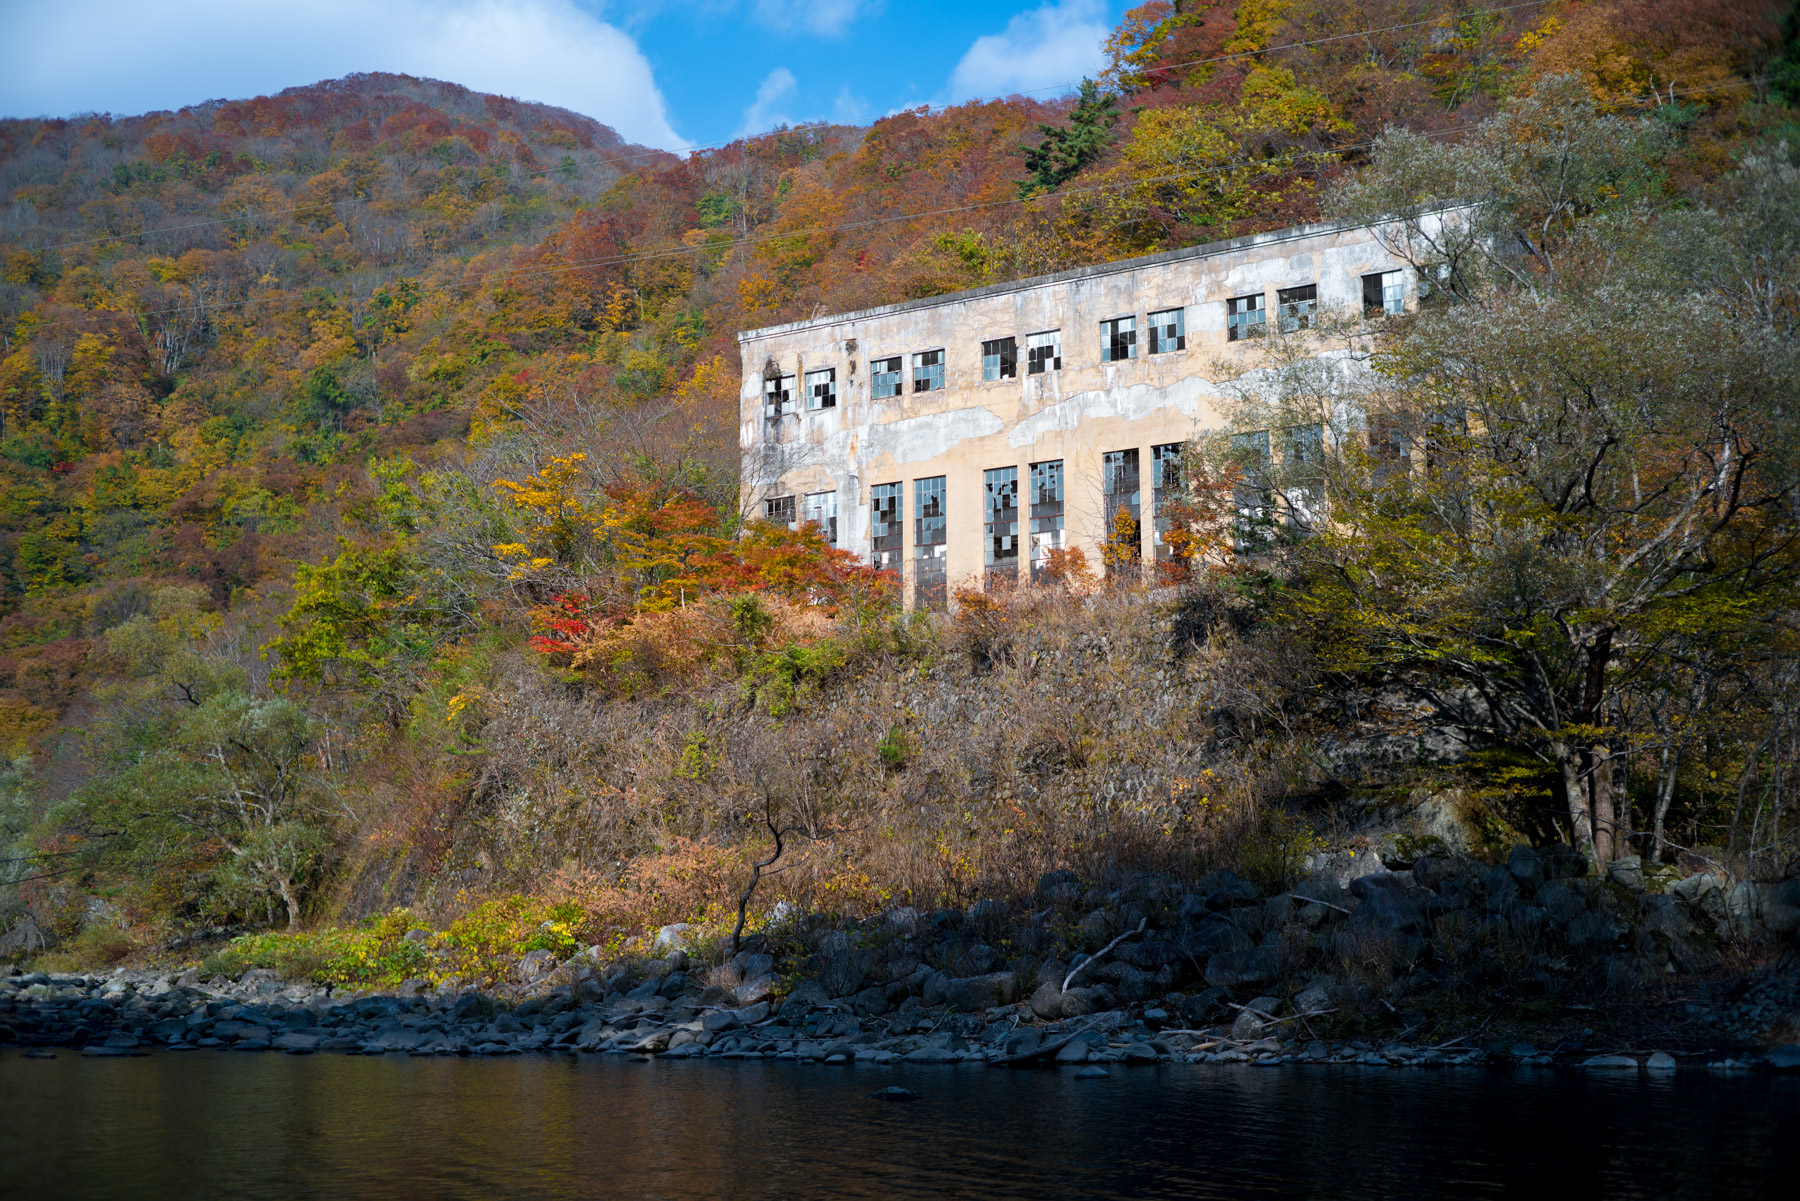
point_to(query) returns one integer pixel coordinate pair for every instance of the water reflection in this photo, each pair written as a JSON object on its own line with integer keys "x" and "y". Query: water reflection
{"x": 226, "y": 1124}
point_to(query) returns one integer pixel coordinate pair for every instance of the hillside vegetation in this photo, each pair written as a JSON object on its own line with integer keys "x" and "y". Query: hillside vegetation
{"x": 369, "y": 535}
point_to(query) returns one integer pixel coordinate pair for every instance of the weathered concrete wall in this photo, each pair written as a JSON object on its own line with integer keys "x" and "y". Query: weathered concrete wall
{"x": 1077, "y": 414}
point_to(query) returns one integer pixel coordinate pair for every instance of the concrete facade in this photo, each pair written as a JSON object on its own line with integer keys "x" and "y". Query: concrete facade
{"x": 818, "y": 441}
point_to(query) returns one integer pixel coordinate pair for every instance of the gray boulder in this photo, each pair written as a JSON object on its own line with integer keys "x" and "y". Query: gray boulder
{"x": 1594, "y": 928}
{"x": 1527, "y": 868}
{"x": 760, "y": 989}
{"x": 844, "y": 972}
{"x": 807, "y": 996}
{"x": 1235, "y": 969}
{"x": 1560, "y": 902}
{"x": 1047, "y": 1001}
{"x": 972, "y": 994}
{"x": 1627, "y": 872}
{"x": 1079, "y": 1002}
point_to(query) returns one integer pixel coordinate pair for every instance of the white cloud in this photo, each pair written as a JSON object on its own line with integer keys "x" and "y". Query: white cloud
{"x": 131, "y": 56}
{"x": 1057, "y": 43}
{"x": 765, "y": 112}
{"x": 824, "y": 18}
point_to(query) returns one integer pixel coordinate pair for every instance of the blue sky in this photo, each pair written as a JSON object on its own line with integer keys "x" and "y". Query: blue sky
{"x": 663, "y": 72}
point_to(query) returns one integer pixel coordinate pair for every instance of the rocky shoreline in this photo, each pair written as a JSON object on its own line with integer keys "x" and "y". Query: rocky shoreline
{"x": 1364, "y": 963}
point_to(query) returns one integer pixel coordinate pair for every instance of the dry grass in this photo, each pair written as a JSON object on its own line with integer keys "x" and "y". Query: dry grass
{"x": 934, "y": 764}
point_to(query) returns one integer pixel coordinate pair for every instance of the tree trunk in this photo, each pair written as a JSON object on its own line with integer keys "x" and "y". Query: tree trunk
{"x": 1665, "y": 793}
{"x": 293, "y": 905}
{"x": 1604, "y": 804}
{"x": 1575, "y": 785}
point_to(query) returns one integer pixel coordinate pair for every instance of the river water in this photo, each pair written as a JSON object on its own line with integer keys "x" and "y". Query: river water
{"x": 225, "y": 1124}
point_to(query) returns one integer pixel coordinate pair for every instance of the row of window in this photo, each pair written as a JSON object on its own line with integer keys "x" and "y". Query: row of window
{"x": 1044, "y": 517}
{"x": 1165, "y": 330}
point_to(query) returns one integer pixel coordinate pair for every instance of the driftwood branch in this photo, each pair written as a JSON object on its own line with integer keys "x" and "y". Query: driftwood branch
{"x": 1091, "y": 960}
{"x": 1315, "y": 901}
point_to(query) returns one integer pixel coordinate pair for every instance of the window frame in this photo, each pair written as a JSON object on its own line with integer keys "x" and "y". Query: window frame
{"x": 1004, "y": 356}
{"x": 828, "y": 524}
{"x": 880, "y": 379}
{"x": 1034, "y": 363}
{"x": 813, "y": 404}
{"x": 1116, "y": 334}
{"x": 1157, "y": 330}
{"x": 923, "y": 372}
{"x": 1238, "y": 324}
{"x": 778, "y": 396}
{"x": 1296, "y": 311}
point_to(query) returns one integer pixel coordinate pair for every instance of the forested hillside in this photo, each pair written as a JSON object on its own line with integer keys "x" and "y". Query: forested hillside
{"x": 369, "y": 531}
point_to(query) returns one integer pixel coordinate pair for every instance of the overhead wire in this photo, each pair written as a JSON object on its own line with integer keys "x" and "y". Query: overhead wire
{"x": 516, "y": 274}
{"x": 1060, "y": 88}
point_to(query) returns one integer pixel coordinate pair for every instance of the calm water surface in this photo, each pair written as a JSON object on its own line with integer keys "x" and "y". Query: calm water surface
{"x": 223, "y": 1124}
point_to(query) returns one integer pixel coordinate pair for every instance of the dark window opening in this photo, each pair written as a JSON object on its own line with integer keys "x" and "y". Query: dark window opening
{"x": 821, "y": 510}
{"x": 779, "y": 510}
{"x": 1384, "y": 293}
{"x": 928, "y": 371}
{"x": 928, "y": 543}
{"x": 1046, "y": 516}
{"x": 1253, "y": 527}
{"x": 1303, "y": 465}
{"x": 1118, "y": 340}
{"x": 1168, "y": 331}
{"x": 887, "y": 538}
{"x": 884, "y": 377}
{"x": 1000, "y": 527}
{"x": 1124, "y": 533}
{"x": 1043, "y": 352}
{"x": 1243, "y": 317}
{"x": 1000, "y": 359}
{"x": 821, "y": 389}
{"x": 778, "y": 396}
{"x": 1299, "y": 307}
{"x": 1165, "y": 490}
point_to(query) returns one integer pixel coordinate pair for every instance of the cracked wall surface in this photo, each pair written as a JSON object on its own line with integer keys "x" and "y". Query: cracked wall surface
{"x": 1076, "y": 415}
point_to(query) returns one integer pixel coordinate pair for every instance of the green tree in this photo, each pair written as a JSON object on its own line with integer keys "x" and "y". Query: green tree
{"x": 1560, "y": 485}
{"x": 1067, "y": 150}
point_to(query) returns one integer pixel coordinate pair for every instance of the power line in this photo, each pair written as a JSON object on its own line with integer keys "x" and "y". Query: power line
{"x": 1058, "y": 88}
{"x": 1266, "y": 167}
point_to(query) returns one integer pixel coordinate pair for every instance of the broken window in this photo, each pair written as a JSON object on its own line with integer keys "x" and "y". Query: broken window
{"x": 1119, "y": 491}
{"x": 1000, "y": 359}
{"x": 779, "y": 510}
{"x": 928, "y": 371}
{"x": 821, "y": 510}
{"x": 1043, "y": 352}
{"x": 884, "y": 377}
{"x": 1118, "y": 340}
{"x": 928, "y": 543}
{"x": 1168, "y": 331}
{"x": 1243, "y": 317}
{"x": 886, "y": 534}
{"x": 1303, "y": 463}
{"x": 821, "y": 389}
{"x": 1000, "y": 527}
{"x": 1299, "y": 307}
{"x": 1384, "y": 292}
{"x": 1390, "y": 447}
{"x": 778, "y": 396}
{"x": 1250, "y": 495}
{"x": 1165, "y": 489}
{"x": 1046, "y": 515}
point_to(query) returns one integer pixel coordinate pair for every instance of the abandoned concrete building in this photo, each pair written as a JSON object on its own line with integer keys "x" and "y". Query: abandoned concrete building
{"x": 959, "y": 440}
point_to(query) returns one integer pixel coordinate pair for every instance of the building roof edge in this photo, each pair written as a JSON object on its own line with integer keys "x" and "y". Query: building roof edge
{"x": 1206, "y": 250}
